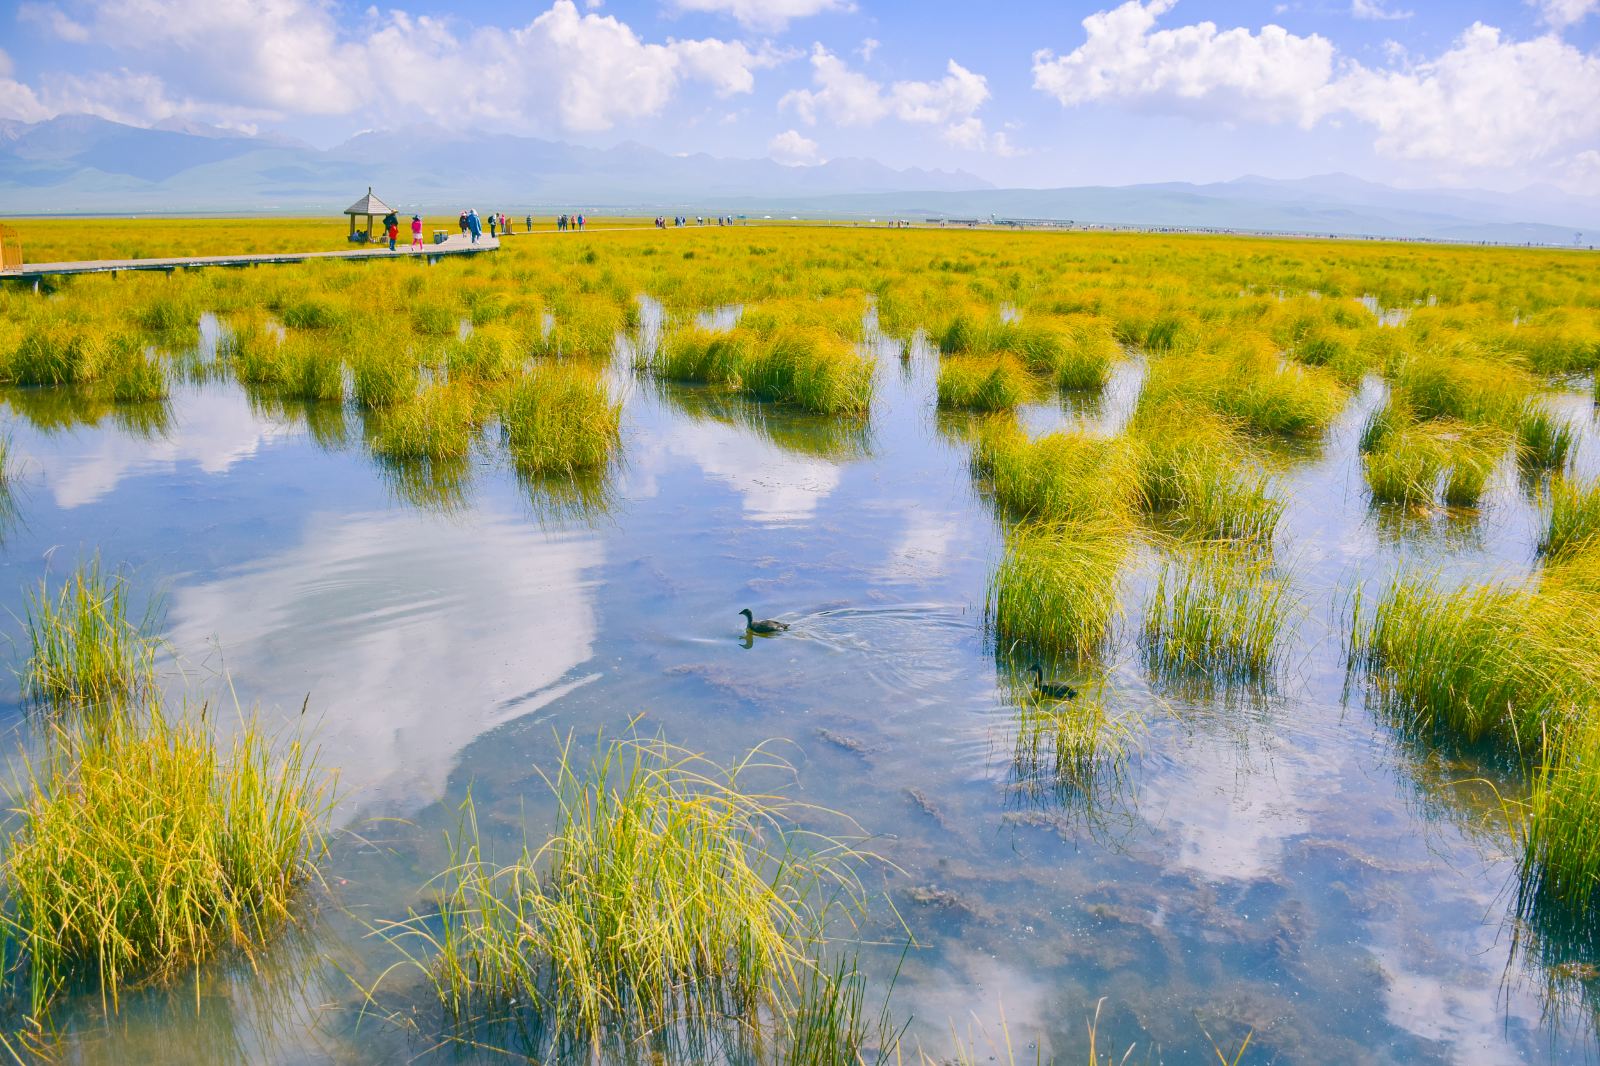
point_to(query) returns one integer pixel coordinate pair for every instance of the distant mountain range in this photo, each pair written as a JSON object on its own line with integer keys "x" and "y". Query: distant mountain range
{"x": 79, "y": 164}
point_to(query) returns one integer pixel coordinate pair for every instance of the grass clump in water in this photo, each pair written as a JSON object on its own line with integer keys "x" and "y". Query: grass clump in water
{"x": 440, "y": 422}
{"x": 1573, "y": 523}
{"x": 1217, "y": 611}
{"x": 1561, "y": 838}
{"x": 809, "y": 366}
{"x": 1544, "y": 440}
{"x": 1060, "y": 476}
{"x": 813, "y": 368}
{"x": 1405, "y": 468}
{"x": 1485, "y": 662}
{"x": 981, "y": 383}
{"x": 84, "y": 649}
{"x": 560, "y": 419}
{"x": 668, "y": 898}
{"x": 383, "y": 380}
{"x": 1055, "y": 590}
{"x": 142, "y": 848}
{"x": 1188, "y": 473}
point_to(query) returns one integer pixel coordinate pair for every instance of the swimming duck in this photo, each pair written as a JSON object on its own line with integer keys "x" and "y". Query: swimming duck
{"x": 1051, "y": 689}
{"x": 766, "y": 625}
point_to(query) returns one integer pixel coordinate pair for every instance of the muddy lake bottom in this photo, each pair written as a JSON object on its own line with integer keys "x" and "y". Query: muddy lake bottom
{"x": 1276, "y": 858}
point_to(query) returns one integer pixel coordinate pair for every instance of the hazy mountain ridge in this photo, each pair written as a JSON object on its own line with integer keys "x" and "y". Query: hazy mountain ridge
{"x": 79, "y": 164}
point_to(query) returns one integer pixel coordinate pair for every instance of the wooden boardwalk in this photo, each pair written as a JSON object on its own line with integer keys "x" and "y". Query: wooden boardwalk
{"x": 453, "y": 245}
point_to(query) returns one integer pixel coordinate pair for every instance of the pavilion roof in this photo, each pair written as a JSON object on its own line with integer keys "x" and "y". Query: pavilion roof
{"x": 368, "y": 205}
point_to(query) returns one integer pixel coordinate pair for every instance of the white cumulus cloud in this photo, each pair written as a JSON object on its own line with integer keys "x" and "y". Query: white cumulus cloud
{"x": 1485, "y": 102}
{"x": 768, "y": 15}
{"x": 1375, "y": 10}
{"x": 576, "y": 70}
{"x": 793, "y": 148}
{"x": 847, "y": 97}
{"x": 1272, "y": 74}
{"x": 1564, "y": 13}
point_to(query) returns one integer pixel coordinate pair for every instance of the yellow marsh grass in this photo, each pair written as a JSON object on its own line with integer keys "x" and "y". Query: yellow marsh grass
{"x": 668, "y": 896}
{"x": 810, "y": 366}
{"x": 984, "y": 383}
{"x": 142, "y": 847}
{"x": 560, "y": 419}
{"x": 1561, "y": 838}
{"x": 1192, "y": 471}
{"x": 1216, "y": 611}
{"x": 1572, "y": 523}
{"x": 83, "y": 647}
{"x": 440, "y": 422}
{"x": 1055, "y": 590}
{"x": 1059, "y": 477}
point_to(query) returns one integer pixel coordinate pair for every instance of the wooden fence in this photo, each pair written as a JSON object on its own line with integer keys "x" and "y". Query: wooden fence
{"x": 10, "y": 249}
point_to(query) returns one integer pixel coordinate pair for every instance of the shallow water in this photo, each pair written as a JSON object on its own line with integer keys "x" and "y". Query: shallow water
{"x": 1275, "y": 859}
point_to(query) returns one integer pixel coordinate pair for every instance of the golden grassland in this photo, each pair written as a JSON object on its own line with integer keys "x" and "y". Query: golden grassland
{"x": 72, "y": 240}
{"x": 1250, "y": 351}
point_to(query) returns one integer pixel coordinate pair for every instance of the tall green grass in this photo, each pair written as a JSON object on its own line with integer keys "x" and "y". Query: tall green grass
{"x": 979, "y": 383}
{"x": 1572, "y": 524}
{"x": 1492, "y": 662}
{"x": 440, "y": 422}
{"x": 814, "y": 368}
{"x": 83, "y": 647}
{"x": 560, "y": 419}
{"x": 1059, "y": 477}
{"x": 1561, "y": 839}
{"x": 1217, "y": 611}
{"x": 1055, "y": 590}
{"x": 1191, "y": 470}
{"x": 810, "y": 366}
{"x": 383, "y": 380}
{"x": 142, "y": 847}
{"x": 1544, "y": 439}
{"x": 668, "y": 897}
{"x": 1405, "y": 468}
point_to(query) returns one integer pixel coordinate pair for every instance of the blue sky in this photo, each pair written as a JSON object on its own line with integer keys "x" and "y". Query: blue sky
{"x": 1020, "y": 92}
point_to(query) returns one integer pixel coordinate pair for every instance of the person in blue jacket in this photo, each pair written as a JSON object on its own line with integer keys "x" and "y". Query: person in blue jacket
{"x": 474, "y": 226}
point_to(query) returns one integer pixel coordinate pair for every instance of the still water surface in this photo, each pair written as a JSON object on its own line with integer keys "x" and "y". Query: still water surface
{"x": 1275, "y": 858}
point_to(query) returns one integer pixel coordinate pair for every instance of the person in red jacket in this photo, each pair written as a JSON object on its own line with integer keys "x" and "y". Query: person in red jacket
{"x": 394, "y": 234}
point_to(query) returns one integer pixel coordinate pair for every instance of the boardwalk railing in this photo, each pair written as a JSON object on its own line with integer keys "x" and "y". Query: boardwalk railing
{"x": 10, "y": 249}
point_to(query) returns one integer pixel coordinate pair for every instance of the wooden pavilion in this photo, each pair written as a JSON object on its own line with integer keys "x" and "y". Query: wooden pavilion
{"x": 369, "y": 206}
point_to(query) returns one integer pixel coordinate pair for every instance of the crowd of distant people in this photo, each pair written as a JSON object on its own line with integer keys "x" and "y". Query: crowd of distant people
{"x": 499, "y": 223}
{"x": 699, "y": 220}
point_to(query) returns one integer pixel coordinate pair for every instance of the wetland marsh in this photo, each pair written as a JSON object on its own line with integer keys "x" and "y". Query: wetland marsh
{"x": 1310, "y": 527}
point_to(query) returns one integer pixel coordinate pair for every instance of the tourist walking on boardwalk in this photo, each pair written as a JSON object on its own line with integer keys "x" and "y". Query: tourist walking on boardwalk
{"x": 581, "y": 221}
{"x": 393, "y": 232}
{"x": 474, "y": 227}
{"x": 463, "y": 223}
{"x": 416, "y": 233}
{"x": 492, "y": 221}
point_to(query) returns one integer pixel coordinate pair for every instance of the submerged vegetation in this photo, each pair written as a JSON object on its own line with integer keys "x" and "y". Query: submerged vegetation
{"x": 84, "y": 648}
{"x": 143, "y": 846}
{"x": 1217, "y": 611}
{"x": 668, "y": 896}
